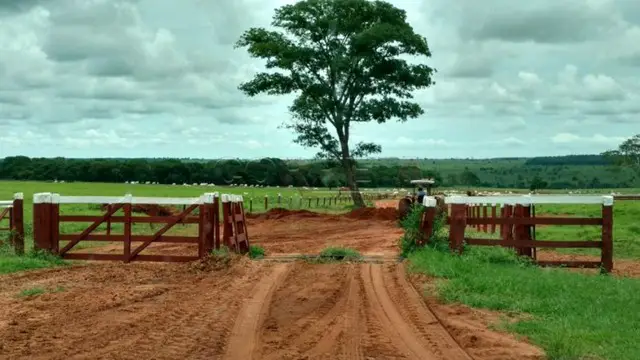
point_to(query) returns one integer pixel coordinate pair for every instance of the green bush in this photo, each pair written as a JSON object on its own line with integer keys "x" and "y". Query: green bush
{"x": 438, "y": 239}
{"x": 340, "y": 253}
{"x": 256, "y": 252}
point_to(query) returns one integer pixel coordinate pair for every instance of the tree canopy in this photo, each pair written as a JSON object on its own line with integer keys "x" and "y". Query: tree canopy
{"x": 346, "y": 62}
{"x": 627, "y": 154}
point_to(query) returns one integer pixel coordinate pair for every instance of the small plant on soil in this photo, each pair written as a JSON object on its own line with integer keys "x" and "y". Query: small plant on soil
{"x": 256, "y": 252}
{"x": 35, "y": 291}
{"x": 340, "y": 254}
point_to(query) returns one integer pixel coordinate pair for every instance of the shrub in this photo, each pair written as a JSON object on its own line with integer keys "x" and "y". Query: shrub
{"x": 256, "y": 252}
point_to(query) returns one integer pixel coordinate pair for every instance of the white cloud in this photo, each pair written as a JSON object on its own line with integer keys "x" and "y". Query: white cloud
{"x": 569, "y": 138}
{"x": 154, "y": 78}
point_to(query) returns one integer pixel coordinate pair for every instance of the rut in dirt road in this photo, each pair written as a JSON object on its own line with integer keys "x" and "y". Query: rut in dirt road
{"x": 339, "y": 311}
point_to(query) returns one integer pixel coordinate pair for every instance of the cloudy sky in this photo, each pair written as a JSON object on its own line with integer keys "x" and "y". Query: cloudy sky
{"x": 159, "y": 78}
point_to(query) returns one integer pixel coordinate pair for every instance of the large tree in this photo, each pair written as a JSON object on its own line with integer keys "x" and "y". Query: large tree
{"x": 346, "y": 62}
{"x": 627, "y": 154}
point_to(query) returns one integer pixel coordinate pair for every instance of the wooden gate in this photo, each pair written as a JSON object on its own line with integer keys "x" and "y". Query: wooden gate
{"x": 235, "y": 235}
{"x": 12, "y": 222}
{"x": 203, "y": 211}
{"x": 517, "y": 223}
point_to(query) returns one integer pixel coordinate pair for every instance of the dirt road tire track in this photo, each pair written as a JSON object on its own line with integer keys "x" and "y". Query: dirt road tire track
{"x": 412, "y": 327}
{"x": 245, "y": 333}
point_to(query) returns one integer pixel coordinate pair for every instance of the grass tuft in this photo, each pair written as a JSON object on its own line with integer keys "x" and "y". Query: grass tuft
{"x": 256, "y": 252}
{"x": 340, "y": 254}
{"x": 31, "y": 292}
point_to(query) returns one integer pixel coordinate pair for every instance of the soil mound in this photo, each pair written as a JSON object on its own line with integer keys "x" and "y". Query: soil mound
{"x": 279, "y": 213}
{"x": 370, "y": 213}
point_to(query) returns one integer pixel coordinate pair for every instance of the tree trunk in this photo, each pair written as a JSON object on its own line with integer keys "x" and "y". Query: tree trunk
{"x": 349, "y": 168}
{"x": 352, "y": 183}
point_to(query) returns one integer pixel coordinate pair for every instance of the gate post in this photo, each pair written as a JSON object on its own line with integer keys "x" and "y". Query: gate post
{"x": 17, "y": 223}
{"x": 208, "y": 223}
{"x": 607, "y": 234}
{"x": 428, "y": 218}
{"x": 42, "y": 222}
{"x": 458, "y": 224}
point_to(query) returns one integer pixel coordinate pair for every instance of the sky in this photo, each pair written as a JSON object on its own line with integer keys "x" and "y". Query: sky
{"x": 159, "y": 78}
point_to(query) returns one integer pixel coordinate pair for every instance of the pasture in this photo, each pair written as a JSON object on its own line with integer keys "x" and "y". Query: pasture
{"x": 370, "y": 307}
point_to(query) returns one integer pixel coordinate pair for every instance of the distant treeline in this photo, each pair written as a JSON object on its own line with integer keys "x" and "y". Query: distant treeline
{"x": 568, "y": 160}
{"x": 568, "y": 172}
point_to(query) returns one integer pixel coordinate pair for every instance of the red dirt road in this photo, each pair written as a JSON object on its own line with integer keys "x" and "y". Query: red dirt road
{"x": 242, "y": 309}
{"x": 302, "y": 232}
{"x": 250, "y": 310}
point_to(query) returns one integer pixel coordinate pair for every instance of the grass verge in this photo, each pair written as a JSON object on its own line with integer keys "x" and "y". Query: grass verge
{"x": 10, "y": 262}
{"x": 572, "y": 315}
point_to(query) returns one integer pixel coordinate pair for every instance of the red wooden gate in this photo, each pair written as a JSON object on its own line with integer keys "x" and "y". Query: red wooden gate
{"x": 518, "y": 220}
{"x": 203, "y": 211}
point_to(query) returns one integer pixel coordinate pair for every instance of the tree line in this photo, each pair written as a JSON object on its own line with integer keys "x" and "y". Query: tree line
{"x": 320, "y": 173}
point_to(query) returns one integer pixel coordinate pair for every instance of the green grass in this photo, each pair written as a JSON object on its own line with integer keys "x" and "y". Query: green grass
{"x": 339, "y": 254}
{"x": 35, "y": 291}
{"x": 572, "y": 315}
{"x": 10, "y": 262}
{"x": 256, "y": 252}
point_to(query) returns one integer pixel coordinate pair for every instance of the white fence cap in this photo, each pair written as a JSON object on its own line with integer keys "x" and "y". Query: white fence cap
{"x": 429, "y": 201}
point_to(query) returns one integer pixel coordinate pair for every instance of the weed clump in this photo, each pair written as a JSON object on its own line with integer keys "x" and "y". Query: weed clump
{"x": 256, "y": 252}
{"x": 340, "y": 254}
{"x": 413, "y": 233}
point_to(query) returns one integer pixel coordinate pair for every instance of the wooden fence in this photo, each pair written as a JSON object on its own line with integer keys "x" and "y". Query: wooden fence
{"x": 307, "y": 202}
{"x": 204, "y": 211}
{"x": 12, "y": 222}
{"x": 517, "y": 223}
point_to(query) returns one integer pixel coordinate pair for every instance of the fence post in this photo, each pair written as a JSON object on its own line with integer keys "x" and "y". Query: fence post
{"x": 127, "y": 207}
{"x": 485, "y": 216}
{"x": 521, "y": 231}
{"x": 42, "y": 221}
{"x": 215, "y": 221}
{"x": 607, "y": 234}
{"x": 457, "y": 226}
{"x": 266, "y": 202}
{"x": 428, "y": 218}
{"x": 290, "y": 202}
{"x": 109, "y": 220}
{"x": 279, "y": 199}
{"x": 493, "y": 217}
{"x": 17, "y": 223}
{"x": 250, "y": 205}
{"x": 55, "y": 223}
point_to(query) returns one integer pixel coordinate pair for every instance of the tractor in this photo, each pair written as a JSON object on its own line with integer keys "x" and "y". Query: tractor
{"x": 404, "y": 205}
